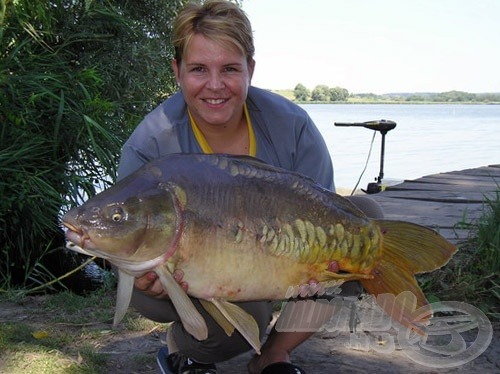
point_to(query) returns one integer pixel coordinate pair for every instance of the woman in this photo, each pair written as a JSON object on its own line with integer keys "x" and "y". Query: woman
{"x": 218, "y": 111}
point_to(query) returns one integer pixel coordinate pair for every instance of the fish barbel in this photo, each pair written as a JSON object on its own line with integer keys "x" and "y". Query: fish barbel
{"x": 242, "y": 230}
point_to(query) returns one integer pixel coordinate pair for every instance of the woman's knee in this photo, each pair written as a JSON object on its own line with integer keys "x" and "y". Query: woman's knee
{"x": 367, "y": 205}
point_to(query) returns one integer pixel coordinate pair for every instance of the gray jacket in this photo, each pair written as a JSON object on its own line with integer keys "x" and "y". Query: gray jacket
{"x": 285, "y": 136}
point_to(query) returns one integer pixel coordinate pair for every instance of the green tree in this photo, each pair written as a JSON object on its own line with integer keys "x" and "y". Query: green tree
{"x": 455, "y": 96}
{"x": 75, "y": 78}
{"x": 338, "y": 94}
{"x": 320, "y": 93}
{"x": 488, "y": 97}
{"x": 301, "y": 93}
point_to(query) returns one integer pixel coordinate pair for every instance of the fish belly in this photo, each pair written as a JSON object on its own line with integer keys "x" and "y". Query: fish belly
{"x": 242, "y": 272}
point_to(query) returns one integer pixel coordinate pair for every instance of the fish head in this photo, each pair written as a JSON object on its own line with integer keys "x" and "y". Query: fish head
{"x": 135, "y": 221}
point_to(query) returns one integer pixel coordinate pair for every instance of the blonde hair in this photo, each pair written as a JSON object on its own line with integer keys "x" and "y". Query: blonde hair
{"x": 218, "y": 20}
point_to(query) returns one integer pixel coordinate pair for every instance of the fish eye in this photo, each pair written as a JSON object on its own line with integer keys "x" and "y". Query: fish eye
{"x": 117, "y": 215}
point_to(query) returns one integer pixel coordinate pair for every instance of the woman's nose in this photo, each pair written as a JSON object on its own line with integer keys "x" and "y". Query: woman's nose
{"x": 215, "y": 81}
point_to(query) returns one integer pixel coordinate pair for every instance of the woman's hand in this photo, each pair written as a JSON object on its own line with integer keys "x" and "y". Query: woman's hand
{"x": 150, "y": 284}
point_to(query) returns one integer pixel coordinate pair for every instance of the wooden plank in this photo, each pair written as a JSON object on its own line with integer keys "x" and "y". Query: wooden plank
{"x": 458, "y": 197}
{"x": 443, "y": 201}
{"x": 411, "y": 186}
{"x": 430, "y": 214}
{"x": 493, "y": 171}
{"x": 484, "y": 171}
{"x": 458, "y": 178}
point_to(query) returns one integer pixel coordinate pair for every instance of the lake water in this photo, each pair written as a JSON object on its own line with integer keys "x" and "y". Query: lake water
{"x": 428, "y": 139}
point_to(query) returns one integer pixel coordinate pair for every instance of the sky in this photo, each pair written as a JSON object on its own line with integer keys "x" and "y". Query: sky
{"x": 377, "y": 46}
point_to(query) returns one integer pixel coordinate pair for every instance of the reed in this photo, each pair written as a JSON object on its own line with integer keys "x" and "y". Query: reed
{"x": 75, "y": 79}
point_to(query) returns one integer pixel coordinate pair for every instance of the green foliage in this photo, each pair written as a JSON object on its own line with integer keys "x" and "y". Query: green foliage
{"x": 338, "y": 94}
{"x": 454, "y": 96}
{"x": 320, "y": 93}
{"x": 75, "y": 79}
{"x": 487, "y": 240}
{"x": 301, "y": 93}
{"x": 66, "y": 333}
{"x": 487, "y": 97}
{"x": 69, "y": 307}
{"x": 473, "y": 274}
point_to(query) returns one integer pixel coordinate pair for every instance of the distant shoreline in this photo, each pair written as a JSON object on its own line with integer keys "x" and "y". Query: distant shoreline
{"x": 395, "y": 98}
{"x": 397, "y": 102}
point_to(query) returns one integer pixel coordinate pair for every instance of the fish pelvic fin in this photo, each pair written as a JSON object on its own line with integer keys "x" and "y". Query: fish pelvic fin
{"x": 123, "y": 295}
{"x": 407, "y": 249}
{"x": 216, "y": 314}
{"x": 191, "y": 319}
{"x": 237, "y": 318}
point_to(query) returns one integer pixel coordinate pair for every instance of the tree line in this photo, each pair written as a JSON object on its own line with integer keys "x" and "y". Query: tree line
{"x": 320, "y": 93}
{"x": 323, "y": 93}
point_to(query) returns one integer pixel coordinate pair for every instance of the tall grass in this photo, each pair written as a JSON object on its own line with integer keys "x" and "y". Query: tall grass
{"x": 487, "y": 235}
{"x": 473, "y": 274}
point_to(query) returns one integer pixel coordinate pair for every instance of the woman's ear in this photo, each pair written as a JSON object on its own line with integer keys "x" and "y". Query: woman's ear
{"x": 251, "y": 68}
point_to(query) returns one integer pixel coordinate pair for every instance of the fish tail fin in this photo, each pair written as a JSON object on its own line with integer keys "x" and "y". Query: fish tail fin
{"x": 407, "y": 249}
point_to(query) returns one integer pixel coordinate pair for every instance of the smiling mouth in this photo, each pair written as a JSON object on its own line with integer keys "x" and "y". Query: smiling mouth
{"x": 215, "y": 101}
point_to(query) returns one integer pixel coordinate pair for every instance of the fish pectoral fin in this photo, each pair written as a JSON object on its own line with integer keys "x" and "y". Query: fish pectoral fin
{"x": 217, "y": 315}
{"x": 123, "y": 295}
{"x": 241, "y": 320}
{"x": 344, "y": 277}
{"x": 191, "y": 319}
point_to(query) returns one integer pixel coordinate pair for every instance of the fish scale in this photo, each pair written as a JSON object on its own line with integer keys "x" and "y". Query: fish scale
{"x": 310, "y": 244}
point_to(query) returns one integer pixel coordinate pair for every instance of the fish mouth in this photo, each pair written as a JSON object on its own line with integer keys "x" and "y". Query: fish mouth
{"x": 75, "y": 235}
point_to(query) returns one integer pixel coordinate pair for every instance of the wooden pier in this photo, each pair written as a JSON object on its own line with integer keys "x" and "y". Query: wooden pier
{"x": 442, "y": 201}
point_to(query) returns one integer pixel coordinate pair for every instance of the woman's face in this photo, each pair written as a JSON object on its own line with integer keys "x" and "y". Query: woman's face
{"x": 214, "y": 80}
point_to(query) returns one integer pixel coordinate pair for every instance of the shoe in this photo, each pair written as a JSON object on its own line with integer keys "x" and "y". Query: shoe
{"x": 176, "y": 363}
{"x": 282, "y": 368}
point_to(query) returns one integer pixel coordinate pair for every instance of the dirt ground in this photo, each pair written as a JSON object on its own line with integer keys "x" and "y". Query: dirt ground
{"x": 334, "y": 349}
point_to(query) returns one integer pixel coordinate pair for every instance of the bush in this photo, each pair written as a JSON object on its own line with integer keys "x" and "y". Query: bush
{"x": 75, "y": 78}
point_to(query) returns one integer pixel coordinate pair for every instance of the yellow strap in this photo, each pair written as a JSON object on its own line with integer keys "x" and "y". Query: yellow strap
{"x": 205, "y": 147}
{"x": 252, "y": 151}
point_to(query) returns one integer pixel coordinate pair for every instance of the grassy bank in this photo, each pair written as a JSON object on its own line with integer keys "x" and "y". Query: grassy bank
{"x": 67, "y": 333}
{"x": 473, "y": 274}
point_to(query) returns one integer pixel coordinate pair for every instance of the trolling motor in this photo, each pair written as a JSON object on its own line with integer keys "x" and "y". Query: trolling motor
{"x": 384, "y": 126}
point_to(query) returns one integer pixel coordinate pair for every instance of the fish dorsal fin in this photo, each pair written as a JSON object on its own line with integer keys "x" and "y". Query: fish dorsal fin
{"x": 218, "y": 316}
{"x": 123, "y": 295}
{"x": 241, "y": 320}
{"x": 191, "y": 319}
